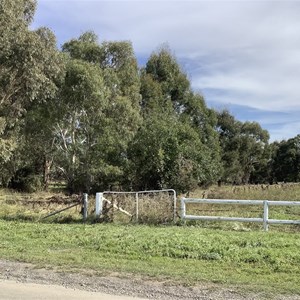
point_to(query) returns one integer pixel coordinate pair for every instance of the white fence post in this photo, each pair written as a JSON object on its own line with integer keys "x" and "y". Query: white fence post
{"x": 137, "y": 206}
{"x": 266, "y": 215}
{"x": 85, "y": 206}
{"x": 183, "y": 209}
{"x": 174, "y": 205}
{"x": 99, "y": 204}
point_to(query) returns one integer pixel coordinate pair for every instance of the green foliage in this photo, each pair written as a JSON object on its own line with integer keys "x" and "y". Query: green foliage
{"x": 98, "y": 112}
{"x": 286, "y": 161}
{"x": 243, "y": 147}
{"x": 155, "y": 152}
{"x": 25, "y": 180}
{"x": 29, "y": 67}
{"x": 176, "y": 145}
{"x": 164, "y": 68}
{"x": 29, "y": 60}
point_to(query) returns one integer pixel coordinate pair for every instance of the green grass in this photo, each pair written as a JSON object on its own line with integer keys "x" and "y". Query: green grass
{"x": 253, "y": 261}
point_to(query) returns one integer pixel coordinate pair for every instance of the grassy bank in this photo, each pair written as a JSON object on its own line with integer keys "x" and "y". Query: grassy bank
{"x": 261, "y": 261}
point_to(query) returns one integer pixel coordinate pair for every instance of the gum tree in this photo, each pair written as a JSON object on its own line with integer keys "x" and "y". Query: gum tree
{"x": 29, "y": 67}
{"x": 99, "y": 112}
{"x": 176, "y": 146}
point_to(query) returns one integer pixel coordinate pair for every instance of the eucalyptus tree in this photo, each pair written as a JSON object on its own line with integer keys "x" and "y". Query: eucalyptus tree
{"x": 176, "y": 146}
{"x": 99, "y": 111}
{"x": 286, "y": 160}
{"x": 243, "y": 147}
{"x": 29, "y": 67}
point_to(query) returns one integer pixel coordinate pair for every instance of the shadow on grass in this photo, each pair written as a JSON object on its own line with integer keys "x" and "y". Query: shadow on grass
{"x": 19, "y": 218}
{"x": 38, "y": 219}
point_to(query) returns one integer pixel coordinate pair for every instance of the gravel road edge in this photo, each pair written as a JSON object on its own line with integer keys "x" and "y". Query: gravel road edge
{"x": 126, "y": 285}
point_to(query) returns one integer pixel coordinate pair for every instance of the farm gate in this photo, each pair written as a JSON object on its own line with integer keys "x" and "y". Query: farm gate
{"x": 153, "y": 206}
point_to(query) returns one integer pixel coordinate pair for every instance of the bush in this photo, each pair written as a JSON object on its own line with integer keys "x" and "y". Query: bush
{"x": 25, "y": 180}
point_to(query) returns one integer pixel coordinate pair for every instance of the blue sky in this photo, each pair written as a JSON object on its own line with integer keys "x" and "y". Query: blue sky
{"x": 242, "y": 55}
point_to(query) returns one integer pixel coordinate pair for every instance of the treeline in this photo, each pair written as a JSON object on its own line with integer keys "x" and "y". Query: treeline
{"x": 88, "y": 115}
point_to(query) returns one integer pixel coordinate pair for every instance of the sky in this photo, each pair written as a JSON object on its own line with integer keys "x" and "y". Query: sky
{"x": 242, "y": 55}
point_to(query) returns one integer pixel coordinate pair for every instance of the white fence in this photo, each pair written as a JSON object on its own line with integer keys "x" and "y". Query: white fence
{"x": 265, "y": 203}
{"x": 100, "y": 197}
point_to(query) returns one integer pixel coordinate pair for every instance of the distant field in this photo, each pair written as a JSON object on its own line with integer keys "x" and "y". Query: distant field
{"x": 284, "y": 191}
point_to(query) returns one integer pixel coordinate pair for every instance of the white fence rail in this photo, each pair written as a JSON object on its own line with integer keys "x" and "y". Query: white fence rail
{"x": 265, "y": 203}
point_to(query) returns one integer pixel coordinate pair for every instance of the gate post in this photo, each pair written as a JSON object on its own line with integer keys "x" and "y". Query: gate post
{"x": 85, "y": 206}
{"x": 99, "y": 204}
{"x": 174, "y": 206}
{"x": 137, "y": 206}
{"x": 183, "y": 210}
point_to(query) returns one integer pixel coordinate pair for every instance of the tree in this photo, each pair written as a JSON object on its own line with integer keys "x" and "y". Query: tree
{"x": 229, "y": 129}
{"x": 29, "y": 60}
{"x": 253, "y": 142}
{"x": 165, "y": 69}
{"x": 286, "y": 162}
{"x": 168, "y": 153}
{"x": 29, "y": 67}
{"x": 99, "y": 108}
{"x": 176, "y": 146}
{"x": 243, "y": 147}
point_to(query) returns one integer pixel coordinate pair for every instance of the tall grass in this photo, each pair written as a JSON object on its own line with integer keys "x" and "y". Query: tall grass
{"x": 287, "y": 191}
{"x": 35, "y": 206}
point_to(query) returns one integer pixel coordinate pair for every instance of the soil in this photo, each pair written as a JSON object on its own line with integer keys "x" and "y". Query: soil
{"x": 114, "y": 284}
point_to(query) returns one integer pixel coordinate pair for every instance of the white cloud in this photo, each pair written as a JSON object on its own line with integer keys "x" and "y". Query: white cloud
{"x": 288, "y": 130}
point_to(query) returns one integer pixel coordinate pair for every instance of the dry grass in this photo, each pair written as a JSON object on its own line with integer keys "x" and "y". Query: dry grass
{"x": 157, "y": 208}
{"x": 284, "y": 191}
{"x": 34, "y": 207}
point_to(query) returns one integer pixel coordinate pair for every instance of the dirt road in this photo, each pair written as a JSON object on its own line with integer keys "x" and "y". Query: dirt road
{"x": 11, "y": 290}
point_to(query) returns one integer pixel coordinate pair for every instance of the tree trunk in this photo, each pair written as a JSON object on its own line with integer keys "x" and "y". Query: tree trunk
{"x": 47, "y": 166}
